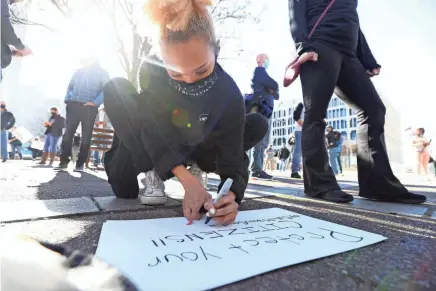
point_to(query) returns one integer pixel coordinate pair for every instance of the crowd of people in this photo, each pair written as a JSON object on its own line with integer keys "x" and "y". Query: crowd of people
{"x": 159, "y": 138}
{"x": 189, "y": 116}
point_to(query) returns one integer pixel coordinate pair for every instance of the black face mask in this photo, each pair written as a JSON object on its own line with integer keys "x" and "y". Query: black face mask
{"x": 2, "y": 106}
{"x": 196, "y": 89}
{"x": 53, "y": 113}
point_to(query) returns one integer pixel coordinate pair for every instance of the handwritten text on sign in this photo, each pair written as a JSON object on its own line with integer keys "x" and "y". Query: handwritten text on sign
{"x": 259, "y": 241}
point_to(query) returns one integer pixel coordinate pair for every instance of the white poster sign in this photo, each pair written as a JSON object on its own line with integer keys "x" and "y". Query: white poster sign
{"x": 166, "y": 254}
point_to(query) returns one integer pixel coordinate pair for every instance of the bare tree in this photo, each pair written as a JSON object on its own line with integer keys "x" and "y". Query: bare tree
{"x": 132, "y": 47}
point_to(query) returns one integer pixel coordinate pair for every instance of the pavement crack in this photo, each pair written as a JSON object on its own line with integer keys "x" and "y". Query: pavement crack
{"x": 96, "y": 203}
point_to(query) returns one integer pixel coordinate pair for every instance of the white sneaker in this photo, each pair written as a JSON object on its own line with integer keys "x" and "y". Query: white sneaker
{"x": 199, "y": 174}
{"x": 153, "y": 190}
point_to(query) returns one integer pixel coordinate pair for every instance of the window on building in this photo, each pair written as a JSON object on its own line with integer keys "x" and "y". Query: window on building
{"x": 355, "y": 122}
{"x": 344, "y": 134}
{"x": 350, "y": 112}
{"x": 353, "y": 135}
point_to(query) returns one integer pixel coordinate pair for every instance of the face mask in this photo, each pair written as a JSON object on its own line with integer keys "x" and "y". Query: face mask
{"x": 266, "y": 64}
{"x": 53, "y": 113}
{"x": 2, "y": 106}
{"x": 196, "y": 89}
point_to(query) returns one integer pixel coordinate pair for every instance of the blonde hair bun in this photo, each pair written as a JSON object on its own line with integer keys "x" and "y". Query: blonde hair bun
{"x": 175, "y": 14}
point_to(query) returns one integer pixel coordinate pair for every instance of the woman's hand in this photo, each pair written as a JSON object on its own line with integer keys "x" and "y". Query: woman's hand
{"x": 373, "y": 72}
{"x": 226, "y": 209}
{"x": 305, "y": 57}
{"x": 195, "y": 197}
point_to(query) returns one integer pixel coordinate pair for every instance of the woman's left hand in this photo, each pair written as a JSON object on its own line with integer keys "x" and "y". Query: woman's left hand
{"x": 226, "y": 209}
{"x": 373, "y": 72}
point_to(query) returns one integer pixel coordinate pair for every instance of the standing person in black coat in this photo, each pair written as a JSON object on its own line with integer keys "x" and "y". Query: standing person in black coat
{"x": 337, "y": 54}
{"x": 9, "y": 38}
{"x": 265, "y": 91}
{"x": 283, "y": 155}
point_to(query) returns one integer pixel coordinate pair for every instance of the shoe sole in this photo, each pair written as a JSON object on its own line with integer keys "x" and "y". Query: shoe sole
{"x": 339, "y": 200}
{"x": 156, "y": 200}
{"x": 78, "y": 171}
{"x": 394, "y": 200}
{"x": 262, "y": 179}
{"x": 61, "y": 170}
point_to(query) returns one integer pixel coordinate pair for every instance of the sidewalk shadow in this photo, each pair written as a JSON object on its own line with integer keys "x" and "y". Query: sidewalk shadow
{"x": 73, "y": 185}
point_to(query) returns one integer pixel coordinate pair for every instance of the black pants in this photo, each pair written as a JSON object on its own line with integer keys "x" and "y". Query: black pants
{"x": 85, "y": 115}
{"x": 35, "y": 153}
{"x": 346, "y": 73}
{"x": 127, "y": 157}
{"x": 339, "y": 162}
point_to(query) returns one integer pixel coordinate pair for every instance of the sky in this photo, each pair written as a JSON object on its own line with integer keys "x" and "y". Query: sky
{"x": 400, "y": 34}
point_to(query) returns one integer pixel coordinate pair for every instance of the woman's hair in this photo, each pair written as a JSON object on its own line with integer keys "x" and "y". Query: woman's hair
{"x": 180, "y": 20}
{"x": 421, "y": 129}
{"x": 298, "y": 111}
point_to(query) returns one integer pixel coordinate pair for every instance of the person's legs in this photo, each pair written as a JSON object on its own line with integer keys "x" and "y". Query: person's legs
{"x": 34, "y": 153}
{"x": 424, "y": 159}
{"x": 96, "y": 158}
{"x": 88, "y": 114}
{"x": 52, "y": 148}
{"x": 339, "y": 162}
{"x": 333, "y": 153}
{"x": 20, "y": 152}
{"x": 318, "y": 80}
{"x": 4, "y": 145}
{"x": 418, "y": 163}
{"x": 376, "y": 179}
{"x": 256, "y": 127}
{"x": 256, "y": 158}
{"x": 257, "y": 151}
{"x": 13, "y": 151}
{"x": 127, "y": 157}
{"x": 74, "y": 153}
{"x": 72, "y": 121}
{"x": 296, "y": 155}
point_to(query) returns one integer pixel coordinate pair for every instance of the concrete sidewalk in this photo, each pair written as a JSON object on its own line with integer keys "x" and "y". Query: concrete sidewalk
{"x": 71, "y": 207}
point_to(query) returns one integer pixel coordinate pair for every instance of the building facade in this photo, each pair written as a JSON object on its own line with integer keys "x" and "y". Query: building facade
{"x": 343, "y": 119}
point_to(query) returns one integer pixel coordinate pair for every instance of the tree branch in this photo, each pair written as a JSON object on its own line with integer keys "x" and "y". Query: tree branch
{"x": 17, "y": 20}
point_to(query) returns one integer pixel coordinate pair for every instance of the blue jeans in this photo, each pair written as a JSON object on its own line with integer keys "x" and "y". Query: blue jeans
{"x": 97, "y": 159}
{"x": 50, "y": 143}
{"x": 296, "y": 155}
{"x": 258, "y": 151}
{"x": 333, "y": 155}
{"x": 4, "y": 144}
{"x": 17, "y": 149}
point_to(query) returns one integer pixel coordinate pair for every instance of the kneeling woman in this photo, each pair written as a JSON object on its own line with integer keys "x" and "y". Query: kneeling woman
{"x": 189, "y": 113}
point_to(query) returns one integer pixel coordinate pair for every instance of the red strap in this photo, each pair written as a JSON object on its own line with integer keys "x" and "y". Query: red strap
{"x": 321, "y": 17}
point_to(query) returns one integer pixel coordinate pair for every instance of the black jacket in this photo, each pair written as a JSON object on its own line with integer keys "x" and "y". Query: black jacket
{"x": 7, "y": 119}
{"x": 332, "y": 139}
{"x": 175, "y": 124}
{"x": 57, "y": 126}
{"x": 283, "y": 153}
{"x": 8, "y": 36}
{"x": 339, "y": 28}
